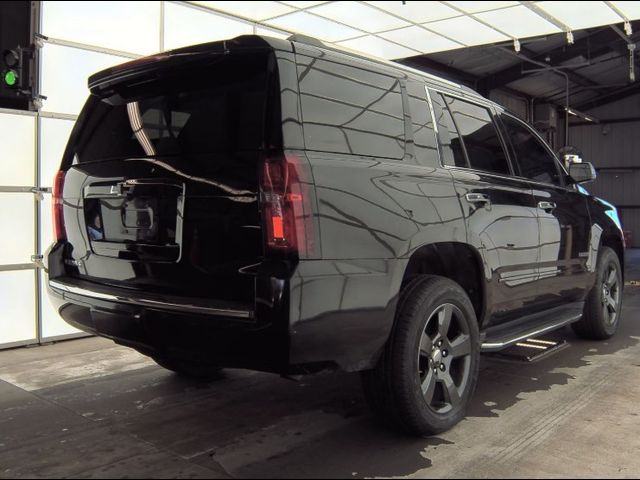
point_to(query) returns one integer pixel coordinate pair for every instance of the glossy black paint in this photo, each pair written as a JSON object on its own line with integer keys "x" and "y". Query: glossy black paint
{"x": 377, "y": 208}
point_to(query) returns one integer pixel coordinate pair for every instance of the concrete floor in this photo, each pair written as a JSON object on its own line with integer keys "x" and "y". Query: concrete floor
{"x": 87, "y": 408}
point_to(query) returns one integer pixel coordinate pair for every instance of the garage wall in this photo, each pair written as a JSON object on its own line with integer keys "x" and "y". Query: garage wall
{"x": 614, "y": 148}
{"x": 80, "y": 38}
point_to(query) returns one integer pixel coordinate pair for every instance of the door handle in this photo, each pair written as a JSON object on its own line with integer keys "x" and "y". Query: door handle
{"x": 478, "y": 198}
{"x": 546, "y": 206}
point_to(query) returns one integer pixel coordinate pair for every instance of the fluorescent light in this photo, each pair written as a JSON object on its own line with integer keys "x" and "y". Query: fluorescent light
{"x": 583, "y": 116}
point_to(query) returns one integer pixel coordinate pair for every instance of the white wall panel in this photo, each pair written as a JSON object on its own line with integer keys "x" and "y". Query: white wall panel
{"x": 54, "y": 134}
{"x": 52, "y": 324}
{"x": 65, "y": 71}
{"x": 18, "y": 314}
{"x": 18, "y": 149}
{"x": 17, "y": 220}
{"x": 126, "y": 26}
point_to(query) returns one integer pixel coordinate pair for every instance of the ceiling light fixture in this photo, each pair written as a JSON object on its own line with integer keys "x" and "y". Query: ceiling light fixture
{"x": 516, "y": 45}
{"x": 570, "y": 37}
{"x": 628, "y": 29}
{"x": 583, "y": 116}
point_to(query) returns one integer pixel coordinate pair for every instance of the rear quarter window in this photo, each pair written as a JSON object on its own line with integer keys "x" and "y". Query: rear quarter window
{"x": 350, "y": 110}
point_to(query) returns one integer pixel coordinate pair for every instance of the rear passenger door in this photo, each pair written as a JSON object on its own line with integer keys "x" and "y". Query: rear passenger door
{"x": 499, "y": 209}
{"x": 563, "y": 214}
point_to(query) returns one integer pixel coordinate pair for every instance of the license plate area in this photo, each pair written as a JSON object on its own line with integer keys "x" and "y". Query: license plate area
{"x": 135, "y": 219}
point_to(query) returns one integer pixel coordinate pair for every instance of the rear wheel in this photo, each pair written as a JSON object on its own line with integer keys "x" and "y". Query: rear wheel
{"x": 428, "y": 371}
{"x": 189, "y": 369}
{"x": 604, "y": 303}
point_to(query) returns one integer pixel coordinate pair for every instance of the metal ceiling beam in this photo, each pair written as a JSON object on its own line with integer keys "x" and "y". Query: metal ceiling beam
{"x": 450, "y": 73}
{"x": 614, "y": 96}
{"x": 434, "y": 67}
{"x": 603, "y": 40}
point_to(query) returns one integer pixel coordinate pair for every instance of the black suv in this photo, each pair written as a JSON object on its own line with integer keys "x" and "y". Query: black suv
{"x": 283, "y": 206}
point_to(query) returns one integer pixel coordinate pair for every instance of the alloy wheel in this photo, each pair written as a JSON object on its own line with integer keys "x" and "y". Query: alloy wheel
{"x": 444, "y": 358}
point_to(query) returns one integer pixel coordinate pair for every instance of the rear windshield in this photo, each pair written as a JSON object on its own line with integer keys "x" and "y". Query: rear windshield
{"x": 219, "y": 107}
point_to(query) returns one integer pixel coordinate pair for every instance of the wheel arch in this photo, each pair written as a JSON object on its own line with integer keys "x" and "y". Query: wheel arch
{"x": 456, "y": 261}
{"x": 615, "y": 241}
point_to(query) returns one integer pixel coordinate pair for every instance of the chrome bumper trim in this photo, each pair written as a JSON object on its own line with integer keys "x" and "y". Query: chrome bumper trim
{"x": 146, "y": 302}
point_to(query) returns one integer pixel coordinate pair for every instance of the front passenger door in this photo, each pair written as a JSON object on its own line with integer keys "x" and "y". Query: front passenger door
{"x": 563, "y": 216}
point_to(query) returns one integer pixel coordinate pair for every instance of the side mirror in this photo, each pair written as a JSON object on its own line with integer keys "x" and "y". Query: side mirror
{"x": 582, "y": 172}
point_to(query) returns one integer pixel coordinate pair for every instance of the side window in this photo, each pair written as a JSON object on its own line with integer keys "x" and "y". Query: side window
{"x": 533, "y": 159}
{"x": 424, "y": 136}
{"x": 346, "y": 109}
{"x": 479, "y": 136}
{"x": 452, "y": 150}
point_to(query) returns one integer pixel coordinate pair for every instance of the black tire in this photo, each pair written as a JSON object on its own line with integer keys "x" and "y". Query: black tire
{"x": 394, "y": 388}
{"x": 190, "y": 369}
{"x": 603, "y": 307}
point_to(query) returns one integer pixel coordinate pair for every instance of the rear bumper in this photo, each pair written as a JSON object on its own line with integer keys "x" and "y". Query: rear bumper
{"x": 225, "y": 337}
{"x": 328, "y": 314}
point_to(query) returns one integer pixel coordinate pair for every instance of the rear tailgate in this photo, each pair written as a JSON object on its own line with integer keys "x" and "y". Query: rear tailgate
{"x": 160, "y": 193}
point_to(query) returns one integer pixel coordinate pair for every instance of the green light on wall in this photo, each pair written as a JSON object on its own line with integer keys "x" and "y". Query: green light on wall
{"x": 10, "y": 78}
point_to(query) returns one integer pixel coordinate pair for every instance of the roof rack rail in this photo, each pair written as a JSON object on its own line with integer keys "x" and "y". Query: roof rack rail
{"x": 297, "y": 37}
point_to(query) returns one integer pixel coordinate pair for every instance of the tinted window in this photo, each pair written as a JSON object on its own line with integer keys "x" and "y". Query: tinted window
{"x": 479, "y": 136}
{"x": 424, "y": 138}
{"x": 214, "y": 108}
{"x": 533, "y": 158}
{"x": 452, "y": 150}
{"x": 347, "y": 109}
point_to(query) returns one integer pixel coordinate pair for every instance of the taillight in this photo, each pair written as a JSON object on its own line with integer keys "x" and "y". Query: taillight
{"x": 57, "y": 206}
{"x": 286, "y": 196}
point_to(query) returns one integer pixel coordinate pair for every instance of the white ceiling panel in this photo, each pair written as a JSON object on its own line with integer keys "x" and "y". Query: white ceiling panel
{"x": 308, "y": 24}
{"x": 421, "y": 40}
{"x": 359, "y": 15}
{"x": 302, "y": 4}
{"x": 578, "y": 15}
{"x": 378, "y": 47}
{"x": 630, "y": 9}
{"x": 467, "y": 31}
{"x": 250, "y": 10}
{"x": 418, "y": 12}
{"x": 475, "y": 7}
{"x": 519, "y": 22}
{"x": 393, "y": 29}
